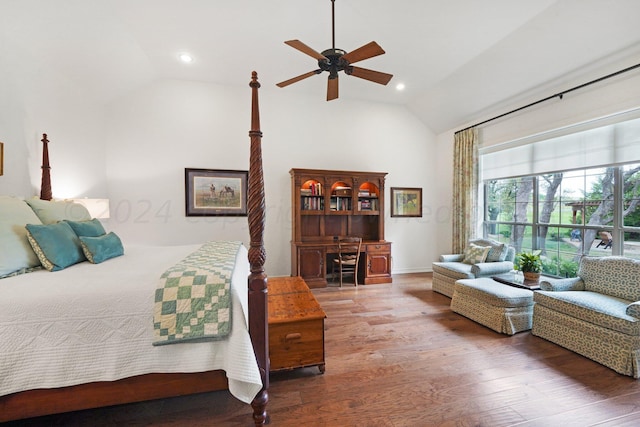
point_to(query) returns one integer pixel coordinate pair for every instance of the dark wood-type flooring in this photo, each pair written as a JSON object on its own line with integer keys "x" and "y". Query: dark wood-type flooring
{"x": 396, "y": 355}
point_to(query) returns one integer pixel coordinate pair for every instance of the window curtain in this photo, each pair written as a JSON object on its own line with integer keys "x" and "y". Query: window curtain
{"x": 465, "y": 188}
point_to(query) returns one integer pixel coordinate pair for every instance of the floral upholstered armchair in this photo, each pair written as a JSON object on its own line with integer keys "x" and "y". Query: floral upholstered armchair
{"x": 596, "y": 314}
{"x": 481, "y": 258}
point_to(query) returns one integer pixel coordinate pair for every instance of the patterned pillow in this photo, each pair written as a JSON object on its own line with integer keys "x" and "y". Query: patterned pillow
{"x": 56, "y": 245}
{"x": 101, "y": 248}
{"x": 498, "y": 251}
{"x": 475, "y": 254}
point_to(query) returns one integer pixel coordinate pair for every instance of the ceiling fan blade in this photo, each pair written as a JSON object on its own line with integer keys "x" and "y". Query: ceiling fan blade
{"x": 298, "y": 78}
{"x": 297, "y": 44}
{"x": 373, "y": 76}
{"x": 367, "y": 51}
{"x": 332, "y": 88}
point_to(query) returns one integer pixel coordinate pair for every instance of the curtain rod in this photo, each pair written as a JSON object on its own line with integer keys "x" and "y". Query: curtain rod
{"x": 557, "y": 95}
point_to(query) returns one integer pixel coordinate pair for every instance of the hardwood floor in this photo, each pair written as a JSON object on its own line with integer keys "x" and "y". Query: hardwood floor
{"x": 396, "y": 355}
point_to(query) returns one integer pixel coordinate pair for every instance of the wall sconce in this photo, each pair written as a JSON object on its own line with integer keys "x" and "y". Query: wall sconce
{"x": 98, "y": 208}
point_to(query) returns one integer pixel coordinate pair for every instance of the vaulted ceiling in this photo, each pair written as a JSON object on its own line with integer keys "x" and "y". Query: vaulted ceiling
{"x": 458, "y": 59}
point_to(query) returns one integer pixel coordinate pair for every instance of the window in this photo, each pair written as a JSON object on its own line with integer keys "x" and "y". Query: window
{"x": 567, "y": 215}
{"x": 569, "y": 192}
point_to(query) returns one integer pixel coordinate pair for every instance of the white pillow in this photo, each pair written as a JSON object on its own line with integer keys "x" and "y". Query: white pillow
{"x": 16, "y": 253}
{"x": 51, "y": 212}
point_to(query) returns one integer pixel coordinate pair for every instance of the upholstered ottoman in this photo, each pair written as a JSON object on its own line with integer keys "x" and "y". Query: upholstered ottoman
{"x": 503, "y": 308}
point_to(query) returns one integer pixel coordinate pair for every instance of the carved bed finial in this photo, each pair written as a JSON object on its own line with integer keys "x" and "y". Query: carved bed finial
{"x": 45, "y": 185}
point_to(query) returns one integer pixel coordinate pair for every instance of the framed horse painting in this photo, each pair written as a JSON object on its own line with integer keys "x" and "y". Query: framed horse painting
{"x": 214, "y": 192}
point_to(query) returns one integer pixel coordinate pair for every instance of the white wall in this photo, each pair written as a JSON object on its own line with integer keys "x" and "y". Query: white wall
{"x": 33, "y": 102}
{"x": 618, "y": 95}
{"x": 135, "y": 149}
{"x": 157, "y": 131}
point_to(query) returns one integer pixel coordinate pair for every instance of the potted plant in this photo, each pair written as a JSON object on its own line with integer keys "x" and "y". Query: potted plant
{"x": 530, "y": 264}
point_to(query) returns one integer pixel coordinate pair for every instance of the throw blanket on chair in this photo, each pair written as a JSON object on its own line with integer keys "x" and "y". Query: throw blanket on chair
{"x": 193, "y": 298}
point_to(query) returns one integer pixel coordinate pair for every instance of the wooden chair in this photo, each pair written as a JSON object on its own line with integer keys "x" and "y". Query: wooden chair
{"x": 606, "y": 240}
{"x": 347, "y": 259}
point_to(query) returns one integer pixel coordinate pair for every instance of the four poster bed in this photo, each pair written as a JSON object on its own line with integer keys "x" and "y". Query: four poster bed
{"x": 107, "y": 357}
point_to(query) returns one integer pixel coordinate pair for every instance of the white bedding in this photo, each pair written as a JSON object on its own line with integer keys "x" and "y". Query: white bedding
{"x": 94, "y": 322}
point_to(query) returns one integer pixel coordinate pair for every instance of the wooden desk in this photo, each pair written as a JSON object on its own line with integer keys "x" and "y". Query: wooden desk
{"x": 310, "y": 261}
{"x": 296, "y": 325}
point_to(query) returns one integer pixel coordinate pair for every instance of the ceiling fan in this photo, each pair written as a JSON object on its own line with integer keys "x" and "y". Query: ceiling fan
{"x": 334, "y": 60}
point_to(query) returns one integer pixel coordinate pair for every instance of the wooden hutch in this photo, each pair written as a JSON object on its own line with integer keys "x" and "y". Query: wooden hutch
{"x": 327, "y": 205}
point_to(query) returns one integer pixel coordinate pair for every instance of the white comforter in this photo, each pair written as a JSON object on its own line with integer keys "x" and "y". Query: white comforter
{"x": 94, "y": 322}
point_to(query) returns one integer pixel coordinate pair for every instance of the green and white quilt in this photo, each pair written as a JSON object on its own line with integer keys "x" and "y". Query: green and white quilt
{"x": 193, "y": 298}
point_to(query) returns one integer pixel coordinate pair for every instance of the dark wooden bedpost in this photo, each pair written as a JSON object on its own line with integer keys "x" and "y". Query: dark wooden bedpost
{"x": 258, "y": 313}
{"x": 45, "y": 185}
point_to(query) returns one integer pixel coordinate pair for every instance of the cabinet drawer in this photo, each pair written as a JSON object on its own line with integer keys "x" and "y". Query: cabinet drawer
{"x": 378, "y": 248}
{"x": 296, "y": 344}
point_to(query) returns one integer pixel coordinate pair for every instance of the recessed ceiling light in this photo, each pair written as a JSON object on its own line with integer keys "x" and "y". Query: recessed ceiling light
{"x": 400, "y": 86}
{"x": 186, "y": 58}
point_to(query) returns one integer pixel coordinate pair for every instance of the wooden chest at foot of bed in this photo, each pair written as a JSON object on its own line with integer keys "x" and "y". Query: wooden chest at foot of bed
{"x": 296, "y": 325}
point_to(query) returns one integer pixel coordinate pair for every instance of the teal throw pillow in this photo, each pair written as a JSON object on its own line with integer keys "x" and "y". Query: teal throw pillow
{"x": 102, "y": 248}
{"x": 91, "y": 228}
{"x": 56, "y": 245}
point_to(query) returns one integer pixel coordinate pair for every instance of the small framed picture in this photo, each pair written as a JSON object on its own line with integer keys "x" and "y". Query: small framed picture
{"x": 214, "y": 192}
{"x": 406, "y": 202}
